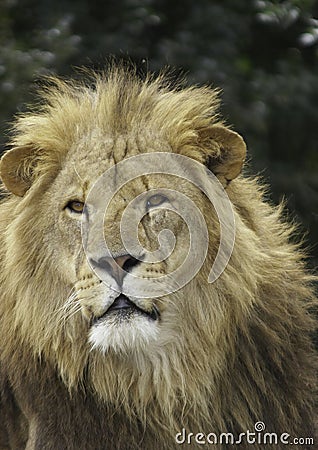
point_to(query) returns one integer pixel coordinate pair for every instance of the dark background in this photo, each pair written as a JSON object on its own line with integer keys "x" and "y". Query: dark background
{"x": 263, "y": 54}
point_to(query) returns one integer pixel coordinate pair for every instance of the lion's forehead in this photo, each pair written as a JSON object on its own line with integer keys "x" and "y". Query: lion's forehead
{"x": 96, "y": 152}
{"x": 103, "y": 164}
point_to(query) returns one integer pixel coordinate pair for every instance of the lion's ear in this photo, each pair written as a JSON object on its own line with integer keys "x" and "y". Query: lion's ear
{"x": 226, "y": 152}
{"x": 17, "y": 169}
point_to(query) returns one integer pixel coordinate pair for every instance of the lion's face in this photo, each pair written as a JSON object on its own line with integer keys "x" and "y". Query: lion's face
{"x": 114, "y": 288}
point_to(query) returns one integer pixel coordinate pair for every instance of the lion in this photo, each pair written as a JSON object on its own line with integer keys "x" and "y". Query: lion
{"x": 104, "y": 345}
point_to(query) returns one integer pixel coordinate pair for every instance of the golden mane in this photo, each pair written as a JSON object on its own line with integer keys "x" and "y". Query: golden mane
{"x": 241, "y": 351}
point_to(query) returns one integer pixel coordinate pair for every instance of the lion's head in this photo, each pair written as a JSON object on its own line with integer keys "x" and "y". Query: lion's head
{"x": 117, "y": 317}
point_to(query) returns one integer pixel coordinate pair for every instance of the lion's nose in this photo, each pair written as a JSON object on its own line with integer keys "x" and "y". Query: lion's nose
{"x": 116, "y": 267}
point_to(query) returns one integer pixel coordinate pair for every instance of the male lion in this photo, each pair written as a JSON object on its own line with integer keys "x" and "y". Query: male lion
{"x": 112, "y": 335}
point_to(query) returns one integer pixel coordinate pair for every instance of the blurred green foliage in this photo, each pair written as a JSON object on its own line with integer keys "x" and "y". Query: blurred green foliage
{"x": 264, "y": 54}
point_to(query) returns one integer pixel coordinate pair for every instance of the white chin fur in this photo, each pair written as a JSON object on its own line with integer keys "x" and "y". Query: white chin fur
{"x": 123, "y": 336}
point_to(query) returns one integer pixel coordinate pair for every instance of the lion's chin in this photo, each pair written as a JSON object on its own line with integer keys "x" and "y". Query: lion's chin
{"x": 123, "y": 333}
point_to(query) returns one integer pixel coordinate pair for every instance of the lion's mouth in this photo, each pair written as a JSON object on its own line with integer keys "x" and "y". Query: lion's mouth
{"x": 125, "y": 309}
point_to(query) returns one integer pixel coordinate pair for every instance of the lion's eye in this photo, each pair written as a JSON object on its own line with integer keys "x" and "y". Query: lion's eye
{"x": 156, "y": 200}
{"x": 75, "y": 206}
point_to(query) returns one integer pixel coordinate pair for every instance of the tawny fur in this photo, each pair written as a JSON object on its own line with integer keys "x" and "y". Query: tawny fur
{"x": 230, "y": 354}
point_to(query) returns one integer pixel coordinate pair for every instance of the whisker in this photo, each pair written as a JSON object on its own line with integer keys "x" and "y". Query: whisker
{"x": 68, "y": 309}
{"x": 68, "y": 314}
